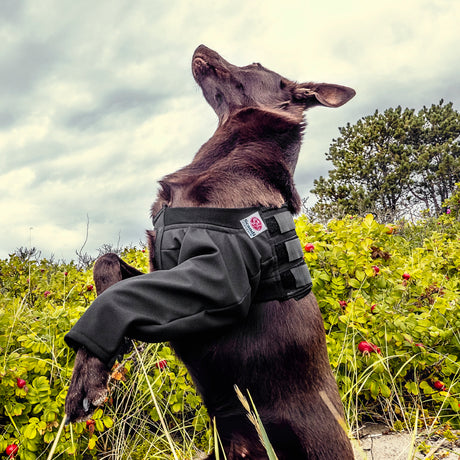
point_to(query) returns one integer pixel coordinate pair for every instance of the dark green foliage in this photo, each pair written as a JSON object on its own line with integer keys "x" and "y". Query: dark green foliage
{"x": 392, "y": 164}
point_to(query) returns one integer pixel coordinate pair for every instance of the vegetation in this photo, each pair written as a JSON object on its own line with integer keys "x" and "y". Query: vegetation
{"x": 389, "y": 295}
{"x": 392, "y": 164}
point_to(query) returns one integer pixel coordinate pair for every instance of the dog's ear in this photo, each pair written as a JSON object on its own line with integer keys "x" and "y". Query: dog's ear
{"x": 326, "y": 94}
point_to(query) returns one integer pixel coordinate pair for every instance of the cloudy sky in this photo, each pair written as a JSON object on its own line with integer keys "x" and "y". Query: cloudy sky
{"x": 97, "y": 101}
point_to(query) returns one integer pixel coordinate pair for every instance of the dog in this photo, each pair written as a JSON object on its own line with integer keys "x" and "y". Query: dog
{"x": 217, "y": 290}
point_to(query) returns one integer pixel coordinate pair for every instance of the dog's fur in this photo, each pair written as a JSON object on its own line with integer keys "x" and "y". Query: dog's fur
{"x": 278, "y": 352}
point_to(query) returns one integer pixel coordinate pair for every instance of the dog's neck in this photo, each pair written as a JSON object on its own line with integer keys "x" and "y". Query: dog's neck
{"x": 280, "y": 134}
{"x": 249, "y": 161}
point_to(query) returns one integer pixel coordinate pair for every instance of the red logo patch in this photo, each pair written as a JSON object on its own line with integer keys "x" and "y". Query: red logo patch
{"x": 256, "y": 224}
{"x": 253, "y": 225}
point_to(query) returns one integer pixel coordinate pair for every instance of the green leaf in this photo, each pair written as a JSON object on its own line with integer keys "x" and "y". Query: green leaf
{"x": 368, "y": 220}
{"x": 30, "y": 432}
{"x": 176, "y": 407}
{"x": 412, "y": 388}
{"x": 48, "y": 437}
{"x": 99, "y": 425}
{"x": 108, "y": 422}
{"x": 374, "y": 388}
{"x": 354, "y": 283}
{"x": 426, "y": 388}
{"x": 385, "y": 390}
{"x": 92, "y": 442}
{"x": 28, "y": 455}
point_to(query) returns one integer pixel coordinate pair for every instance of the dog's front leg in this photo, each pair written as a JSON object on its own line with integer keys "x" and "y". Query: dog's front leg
{"x": 88, "y": 386}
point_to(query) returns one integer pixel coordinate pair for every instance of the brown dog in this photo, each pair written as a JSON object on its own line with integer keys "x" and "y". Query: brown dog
{"x": 274, "y": 348}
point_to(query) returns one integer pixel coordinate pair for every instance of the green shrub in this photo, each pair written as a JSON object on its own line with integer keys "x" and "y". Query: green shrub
{"x": 40, "y": 302}
{"x": 394, "y": 288}
{"x": 376, "y": 286}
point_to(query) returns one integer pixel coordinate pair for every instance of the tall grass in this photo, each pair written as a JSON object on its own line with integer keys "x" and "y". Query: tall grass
{"x": 141, "y": 431}
{"x": 399, "y": 410}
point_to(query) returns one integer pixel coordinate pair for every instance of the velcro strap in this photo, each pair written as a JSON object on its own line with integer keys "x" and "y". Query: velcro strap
{"x": 294, "y": 249}
{"x": 296, "y": 277}
{"x": 301, "y": 275}
{"x": 280, "y": 223}
{"x": 285, "y": 221}
{"x": 288, "y": 251}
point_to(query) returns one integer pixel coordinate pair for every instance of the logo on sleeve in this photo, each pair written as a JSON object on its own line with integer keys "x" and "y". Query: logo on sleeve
{"x": 253, "y": 225}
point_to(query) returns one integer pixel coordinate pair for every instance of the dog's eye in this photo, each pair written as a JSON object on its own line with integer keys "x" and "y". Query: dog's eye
{"x": 282, "y": 84}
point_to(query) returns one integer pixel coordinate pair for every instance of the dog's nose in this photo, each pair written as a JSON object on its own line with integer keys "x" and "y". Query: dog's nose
{"x": 202, "y": 49}
{"x": 207, "y": 54}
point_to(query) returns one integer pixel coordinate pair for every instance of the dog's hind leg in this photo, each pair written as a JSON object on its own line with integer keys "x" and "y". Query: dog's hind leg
{"x": 109, "y": 269}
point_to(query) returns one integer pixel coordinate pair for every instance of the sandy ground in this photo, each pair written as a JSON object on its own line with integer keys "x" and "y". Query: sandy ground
{"x": 377, "y": 443}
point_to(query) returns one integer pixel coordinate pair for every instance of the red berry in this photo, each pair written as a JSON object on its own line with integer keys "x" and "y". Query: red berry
{"x": 161, "y": 364}
{"x": 406, "y": 276}
{"x": 11, "y": 450}
{"x": 373, "y": 308}
{"x": 90, "y": 425}
{"x": 439, "y": 385}
{"x": 343, "y": 303}
{"x": 376, "y": 269}
{"x": 90, "y": 287}
{"x": 143, "y": 250}
{"x": 309, "y": 247}
{"x": 65, "y": 273}
{"x": 46, "y": 293}
{"x": 21, "y": 383}
{"x": 366, "y": 348}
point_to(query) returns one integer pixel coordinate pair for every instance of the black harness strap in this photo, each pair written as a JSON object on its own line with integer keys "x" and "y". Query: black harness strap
{"x": 285, "y": 275}
{"x": 291, "y": 277}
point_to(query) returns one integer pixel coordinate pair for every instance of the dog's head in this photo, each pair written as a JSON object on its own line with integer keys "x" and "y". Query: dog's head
{"x": 229, "y": 88}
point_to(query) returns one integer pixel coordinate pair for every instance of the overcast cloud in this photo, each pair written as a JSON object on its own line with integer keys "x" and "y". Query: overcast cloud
{"x": 97, "y": 100}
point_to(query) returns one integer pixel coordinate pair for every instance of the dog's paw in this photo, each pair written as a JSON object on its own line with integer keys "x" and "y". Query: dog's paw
{"x": 88, "y": 387}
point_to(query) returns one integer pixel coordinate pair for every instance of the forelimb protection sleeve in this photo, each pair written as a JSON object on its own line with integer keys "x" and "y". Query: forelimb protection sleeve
{"x": 209, "y": 290}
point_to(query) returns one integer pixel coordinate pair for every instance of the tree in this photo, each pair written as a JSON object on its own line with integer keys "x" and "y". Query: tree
{"x": 437, "y": 160}
{"x": 392, "y": 163}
